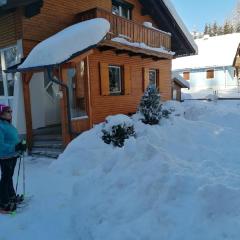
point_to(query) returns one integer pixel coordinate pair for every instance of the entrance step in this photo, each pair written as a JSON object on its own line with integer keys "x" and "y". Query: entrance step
{"x": 43, "y": 152}
{"x": 47, "y": 142}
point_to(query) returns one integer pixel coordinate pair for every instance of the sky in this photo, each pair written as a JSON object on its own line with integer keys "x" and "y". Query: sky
{"x": 196, "y": 13}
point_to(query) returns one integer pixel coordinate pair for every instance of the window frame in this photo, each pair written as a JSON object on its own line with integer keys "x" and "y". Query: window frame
{"x": 210, "y": 74}
{"x": 123, "y": 4}
{"x": 156, "y": 76}
{"x": 186, "y": 75}
{"x": 6, "y": 97}
{"x": 116, "y": 93}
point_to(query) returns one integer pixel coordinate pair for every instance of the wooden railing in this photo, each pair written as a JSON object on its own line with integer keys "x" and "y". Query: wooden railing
{"x": 135, "y": 32}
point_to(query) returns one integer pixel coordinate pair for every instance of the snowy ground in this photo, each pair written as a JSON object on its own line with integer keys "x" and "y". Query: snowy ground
{"x": 179, "y": 180}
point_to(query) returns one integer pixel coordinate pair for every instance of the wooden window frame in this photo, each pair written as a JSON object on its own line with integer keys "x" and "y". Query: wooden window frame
{"x": 156, "y": 75}
{"x": 186, "y": 75}
{"x": 210, "y": 74}
{"x": 123, "y": 4}
{"x": 121, "y": 80}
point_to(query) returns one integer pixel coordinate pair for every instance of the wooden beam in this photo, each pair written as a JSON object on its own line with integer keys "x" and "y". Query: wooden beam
{"x": 120, "y": 51}
{"x": 105, "y": 48}
{"x": 132, "y": 54}
{"x": 64, "y": 115}
{"x": 26, "y": 77}
{"x": 81, "y": 57}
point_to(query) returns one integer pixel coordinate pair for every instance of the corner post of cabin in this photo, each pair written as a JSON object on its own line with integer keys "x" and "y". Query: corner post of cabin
{"x": 26, "y": 77}
{"x": 66, "y": 135}
{"x": 89, "y": 92}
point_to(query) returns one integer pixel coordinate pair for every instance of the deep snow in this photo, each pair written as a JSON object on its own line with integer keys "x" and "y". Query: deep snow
{"x": 174, "y": 181}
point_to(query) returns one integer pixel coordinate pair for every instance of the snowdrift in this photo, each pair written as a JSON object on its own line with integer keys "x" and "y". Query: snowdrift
{"x": 176, "y": 180}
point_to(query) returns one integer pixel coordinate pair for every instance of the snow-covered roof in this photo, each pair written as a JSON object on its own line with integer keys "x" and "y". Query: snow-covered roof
{"x": 215, "y": 51}
{"x": 67, "y": 43}
{"x": 180, "y": 80}
{"x": 141, "y": 45}
{"x": 180, "y": 23}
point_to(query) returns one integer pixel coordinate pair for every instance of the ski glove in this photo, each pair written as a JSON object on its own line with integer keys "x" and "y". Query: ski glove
{"x": 21, "y": 147}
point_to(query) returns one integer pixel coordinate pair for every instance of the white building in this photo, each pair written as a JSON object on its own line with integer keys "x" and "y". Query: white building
{"x": 212, "y": 70}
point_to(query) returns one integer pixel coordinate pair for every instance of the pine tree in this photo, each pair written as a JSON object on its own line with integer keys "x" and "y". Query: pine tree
{"x": 220, "y": 31}
{"x": 215, "y": 29}
{"x": 150, "y": 106}
{"x": 206, "y": 29}
{"x": 226, "y": 27}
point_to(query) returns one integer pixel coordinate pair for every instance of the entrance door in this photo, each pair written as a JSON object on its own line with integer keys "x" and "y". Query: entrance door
{"x": 76, "y": 81}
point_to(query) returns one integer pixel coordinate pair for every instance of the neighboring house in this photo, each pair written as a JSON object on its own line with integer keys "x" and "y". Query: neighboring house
{"x": 212, "y": 70}
{"x": 178, "y": 83}
{"x": 105, "y": 77}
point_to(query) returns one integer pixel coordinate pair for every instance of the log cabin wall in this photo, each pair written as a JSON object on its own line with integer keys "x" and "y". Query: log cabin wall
{"x": 10, "y": 28}
{"x": 57, "y": 15}
{"x": 103, "y": 106}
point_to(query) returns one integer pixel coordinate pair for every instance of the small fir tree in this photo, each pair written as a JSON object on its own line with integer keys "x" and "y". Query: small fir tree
{"x": 150, "y": 106}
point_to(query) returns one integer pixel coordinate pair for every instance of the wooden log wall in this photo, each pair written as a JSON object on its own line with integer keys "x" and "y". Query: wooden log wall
{"x": 103, "y": 106}
{"x": 10, "y": 28}
{"x": 57, "y": 15}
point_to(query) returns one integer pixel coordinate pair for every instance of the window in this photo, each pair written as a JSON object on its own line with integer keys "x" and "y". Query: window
{"x": 122, "y": 8}
{"x": 210, "y": 74}
{"x": 76, "y": 84}
{"x": 153, "y": 77}
{"x": 115, "y": 79}
{"x": 8, "y": 57}
{"x": 186, "y": 75}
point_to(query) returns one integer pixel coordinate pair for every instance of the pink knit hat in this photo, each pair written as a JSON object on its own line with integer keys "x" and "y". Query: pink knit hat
{"x": 3, "y": 108}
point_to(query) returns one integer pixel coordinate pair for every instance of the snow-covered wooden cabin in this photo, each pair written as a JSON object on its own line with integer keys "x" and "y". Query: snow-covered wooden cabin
{"x": 92, "y": 67}
{"x": 213, "y": 70}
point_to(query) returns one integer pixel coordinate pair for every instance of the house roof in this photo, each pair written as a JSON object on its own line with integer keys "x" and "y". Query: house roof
{"x": 178, "y": 79}
{"x": 66, "y": 44}
{"x": 167, "y": 19}
{"x": 218, "y": 51}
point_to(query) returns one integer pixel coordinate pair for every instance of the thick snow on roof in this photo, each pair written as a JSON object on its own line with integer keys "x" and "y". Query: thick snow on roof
{"x": 180, "y": 23}
{"x": 66, "y": 43}
{"x": 181, "y": 80}
{"x": 216, "y": 51}
{"x": 142, "y": 45}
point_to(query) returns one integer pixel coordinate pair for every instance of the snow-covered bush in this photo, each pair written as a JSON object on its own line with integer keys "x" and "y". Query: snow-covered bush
{"x": 118, "y": 128}
{"x": 150, "y": 106}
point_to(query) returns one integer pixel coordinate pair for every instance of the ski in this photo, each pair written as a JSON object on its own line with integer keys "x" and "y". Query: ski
{"x": 11, "y": 213}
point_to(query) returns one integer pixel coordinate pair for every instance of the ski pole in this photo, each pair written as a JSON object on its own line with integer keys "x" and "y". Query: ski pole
{"x": 19, "y": 166}
{"x": 24, "y": 179}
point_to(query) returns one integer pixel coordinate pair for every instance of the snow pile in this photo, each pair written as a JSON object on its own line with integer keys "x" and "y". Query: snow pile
{"x": 176, "y": 180}
{"x": 141, "y": 45}
{"x": 63, "y": 45}
{"x": 211, "y": 52}
{"x": 119, "y": 119}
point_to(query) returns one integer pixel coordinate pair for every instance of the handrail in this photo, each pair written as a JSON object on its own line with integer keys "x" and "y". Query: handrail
{"x": 134, "y": 31}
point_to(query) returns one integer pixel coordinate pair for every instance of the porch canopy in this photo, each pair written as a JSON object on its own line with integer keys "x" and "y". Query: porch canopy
{"x": 66, "y": 45}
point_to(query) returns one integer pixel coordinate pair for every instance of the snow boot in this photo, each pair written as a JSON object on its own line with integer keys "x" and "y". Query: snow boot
{"x": 17, "y": 199}
{"x": 8, "y": 208}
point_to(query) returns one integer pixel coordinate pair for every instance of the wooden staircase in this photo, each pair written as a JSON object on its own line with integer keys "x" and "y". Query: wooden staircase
{"x": 47, "y": 142}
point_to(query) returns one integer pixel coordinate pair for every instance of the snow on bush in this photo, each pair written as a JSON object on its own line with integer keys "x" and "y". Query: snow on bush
{"x": 150, "y": 106}
{"x": 116, "y": 129}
